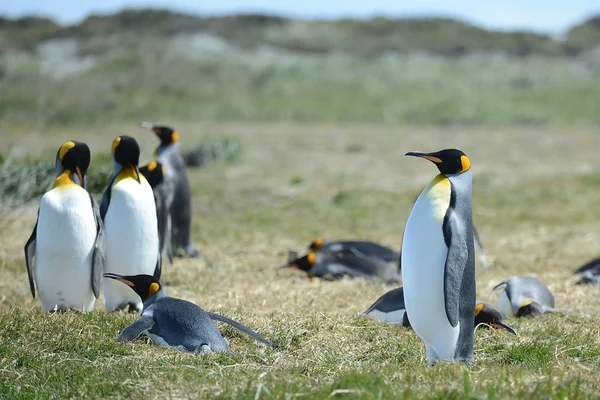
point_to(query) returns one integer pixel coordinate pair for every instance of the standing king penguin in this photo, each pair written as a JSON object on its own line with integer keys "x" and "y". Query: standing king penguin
{"x": 163, "y": 197}
{"x": 131, "y": 228}
{"x": 438, "y": 260}
{"x": 181, "y": 209}
{"x": 68, "y": 238}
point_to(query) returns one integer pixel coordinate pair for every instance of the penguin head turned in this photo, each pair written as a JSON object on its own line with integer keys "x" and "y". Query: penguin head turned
{"x": 126, "y": 153}
{"x": 145, "y": 286}
{"x": 167, "y": 136}
{"x": 448, "y": 161}
{"x": 154, "y": 172}
{"x": 305, "y": 263}
{"x": 72, "y": 159}
{"x": 486, "y": 314}
{"x": 317, "y": 244}
{"x": 530, "y": 309}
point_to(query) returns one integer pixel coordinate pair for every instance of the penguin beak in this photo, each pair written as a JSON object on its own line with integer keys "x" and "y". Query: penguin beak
{"x": 137, "y": 173}
{"x": 426, "y": 156}
{"x": 502, "y": 325}
{"x": 80, "y": 176}
{"x": 287, "y": 266}
{"x": 118, "y": 278}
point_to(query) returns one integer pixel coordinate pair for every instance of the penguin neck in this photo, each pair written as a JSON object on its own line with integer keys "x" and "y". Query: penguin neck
{"x": 161, "y": 293}
{"x": 165, "y": 150}
{"x": 127, "y": 171}
{"x": 63, "y": 180}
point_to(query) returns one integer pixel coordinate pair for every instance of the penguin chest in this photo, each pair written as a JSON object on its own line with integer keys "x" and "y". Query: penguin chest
{"x": 65, "y": 237}
{"x": 424, "y": 253}
{"x": 131, "y": 229}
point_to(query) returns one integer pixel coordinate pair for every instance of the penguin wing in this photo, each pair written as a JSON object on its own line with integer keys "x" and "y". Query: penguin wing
{"x": 239, "y": 327}
{"x": 30, "y": 253}
{"x": 390, "y": 301}
{"x": 99, "y": 250}
{"x": 456, "y": 260}
{"x": 106, "y": 197}
{"x": 143, "y": 323}
{"x": 158, "y": 268}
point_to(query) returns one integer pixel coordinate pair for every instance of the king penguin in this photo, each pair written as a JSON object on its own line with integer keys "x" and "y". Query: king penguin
{"x": 172, "y": 322}
{"x": 344, "y": 263}
{"x": 131, "y": 228}
{"x": 369, "y": 249}
{"x": 438, "y": 263}
{"x": 526, "y": 297}
{"x": 181, "y": 210}
{"x": 68, "y": 238}
{"x": 390, "y": 309}
{"x": 163, "y": 197}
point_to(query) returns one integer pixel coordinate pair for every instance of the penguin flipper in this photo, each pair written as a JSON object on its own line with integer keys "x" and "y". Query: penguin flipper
{"x": 456, "y": 261}
{"x": 240, "y": 328}
{"x": 30, "y": 254}
{"x": 99, "y": 250}
{"x": 158, "y": 268}
{"x": 106, "y": 196}
{"x": 133, "y": 331}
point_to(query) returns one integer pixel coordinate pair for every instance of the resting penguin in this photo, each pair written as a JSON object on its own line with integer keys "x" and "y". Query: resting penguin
{"x": 181, "y": 210}
{"x": 163, "y": 197}
{"x": 68, "y": 238}
{"x": 369, "y": 249}
{"x": 438, "y": 260}
{"x": 525, "y": 297}
{"x": 131, "y": 228}
{"x": 344, "y": 263}
{"x": 390, "y": 309}
{"x": 173, "y": 322}
{"x": 590, "y": 272}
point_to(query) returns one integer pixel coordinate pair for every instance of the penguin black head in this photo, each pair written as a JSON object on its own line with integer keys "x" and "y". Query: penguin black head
{"x": 305, "y": 263}
{"x": 449, "y": 161}
{"x": 74, "y": 157}
{"x": 154, "y": 172}
{"x": 486, "y": 314}
{"x": 530, "y": 309}
{"x": 126, "y": 152}
{"x": 317, "y": 244}
{"x": 145, "y": 286}
{"x": 166, "y": 135}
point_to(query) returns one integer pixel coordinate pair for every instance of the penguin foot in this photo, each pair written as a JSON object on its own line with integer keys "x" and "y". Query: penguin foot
{"x": 191, "y": 251}
{"x": 203, "y": 349}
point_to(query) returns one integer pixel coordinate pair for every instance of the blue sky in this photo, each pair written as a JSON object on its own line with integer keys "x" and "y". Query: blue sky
{"x": 551, "y": 16}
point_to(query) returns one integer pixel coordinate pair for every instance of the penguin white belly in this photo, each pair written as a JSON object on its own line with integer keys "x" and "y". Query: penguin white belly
{"x": 65, "y": 237}
{"x": 424, "y": 253}
{"x": 393, "y": 318}
{"x": 504, "y": 305}
{"x": 131, "y": 232}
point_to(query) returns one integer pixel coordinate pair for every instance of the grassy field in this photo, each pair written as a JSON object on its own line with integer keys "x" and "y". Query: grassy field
{"x": 535, "y": 205}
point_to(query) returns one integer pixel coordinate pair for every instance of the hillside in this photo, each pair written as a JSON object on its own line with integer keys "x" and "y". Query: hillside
{"x": 142, "y": 64}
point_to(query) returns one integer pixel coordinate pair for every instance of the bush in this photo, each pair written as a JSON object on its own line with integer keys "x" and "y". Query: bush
{"x": 225, "y": 149}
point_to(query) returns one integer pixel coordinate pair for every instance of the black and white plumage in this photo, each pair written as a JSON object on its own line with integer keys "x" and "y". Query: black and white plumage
{"x": 181, "y": 210}
{"x": 590, "y": 273}
{"x": 172, "y": 322}
{"x": 128, "y": 210}
{"x": 67, "y": 246}
{"x": 438, "y": 260}
{"x": 367, "y": 248}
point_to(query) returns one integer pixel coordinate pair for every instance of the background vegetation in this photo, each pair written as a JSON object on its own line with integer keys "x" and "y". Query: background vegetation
{"x": 142, "y": 64}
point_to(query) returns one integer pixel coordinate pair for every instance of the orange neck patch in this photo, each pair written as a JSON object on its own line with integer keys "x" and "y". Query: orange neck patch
{"x": 63, "y": 180}
{"x": 126, "y": 172}
{"x": 478, "y": 308}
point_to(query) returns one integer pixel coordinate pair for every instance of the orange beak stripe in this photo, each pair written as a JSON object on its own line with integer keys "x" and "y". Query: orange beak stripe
{"x": 433, "y": 159}
{"x": 128, "y": 283}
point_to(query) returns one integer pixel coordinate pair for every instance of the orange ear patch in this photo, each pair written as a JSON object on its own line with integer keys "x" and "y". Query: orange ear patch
{"x": 154, "y": 287}
{"x": 152, "y": 165}
{"x": 312, "y": 258}
{"x": 478, "y": 308}
{"x": 175, "y": 137}
{"x": 465, "y": 163}
{"x": 64, "y": 149}
{"x": 116, "y": 143}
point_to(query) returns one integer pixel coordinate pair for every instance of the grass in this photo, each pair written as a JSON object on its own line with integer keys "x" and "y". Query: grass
{"x": 535, "y": 195}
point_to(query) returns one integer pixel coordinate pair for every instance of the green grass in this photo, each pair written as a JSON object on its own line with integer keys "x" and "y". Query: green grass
{"x": 534, "y": 206}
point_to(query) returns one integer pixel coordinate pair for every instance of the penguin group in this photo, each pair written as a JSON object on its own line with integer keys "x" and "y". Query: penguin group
{"x": 79, "y": 248}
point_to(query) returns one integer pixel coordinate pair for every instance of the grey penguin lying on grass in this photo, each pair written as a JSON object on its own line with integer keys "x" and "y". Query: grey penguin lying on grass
{"x": 390, "y": 309}
{"x": 172, "y": 322}
{"x": 526, "y": 297}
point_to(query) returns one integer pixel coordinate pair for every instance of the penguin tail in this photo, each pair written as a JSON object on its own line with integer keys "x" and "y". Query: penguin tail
{"x": 240, "y": 328}
{"x": 499, "y": 285}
